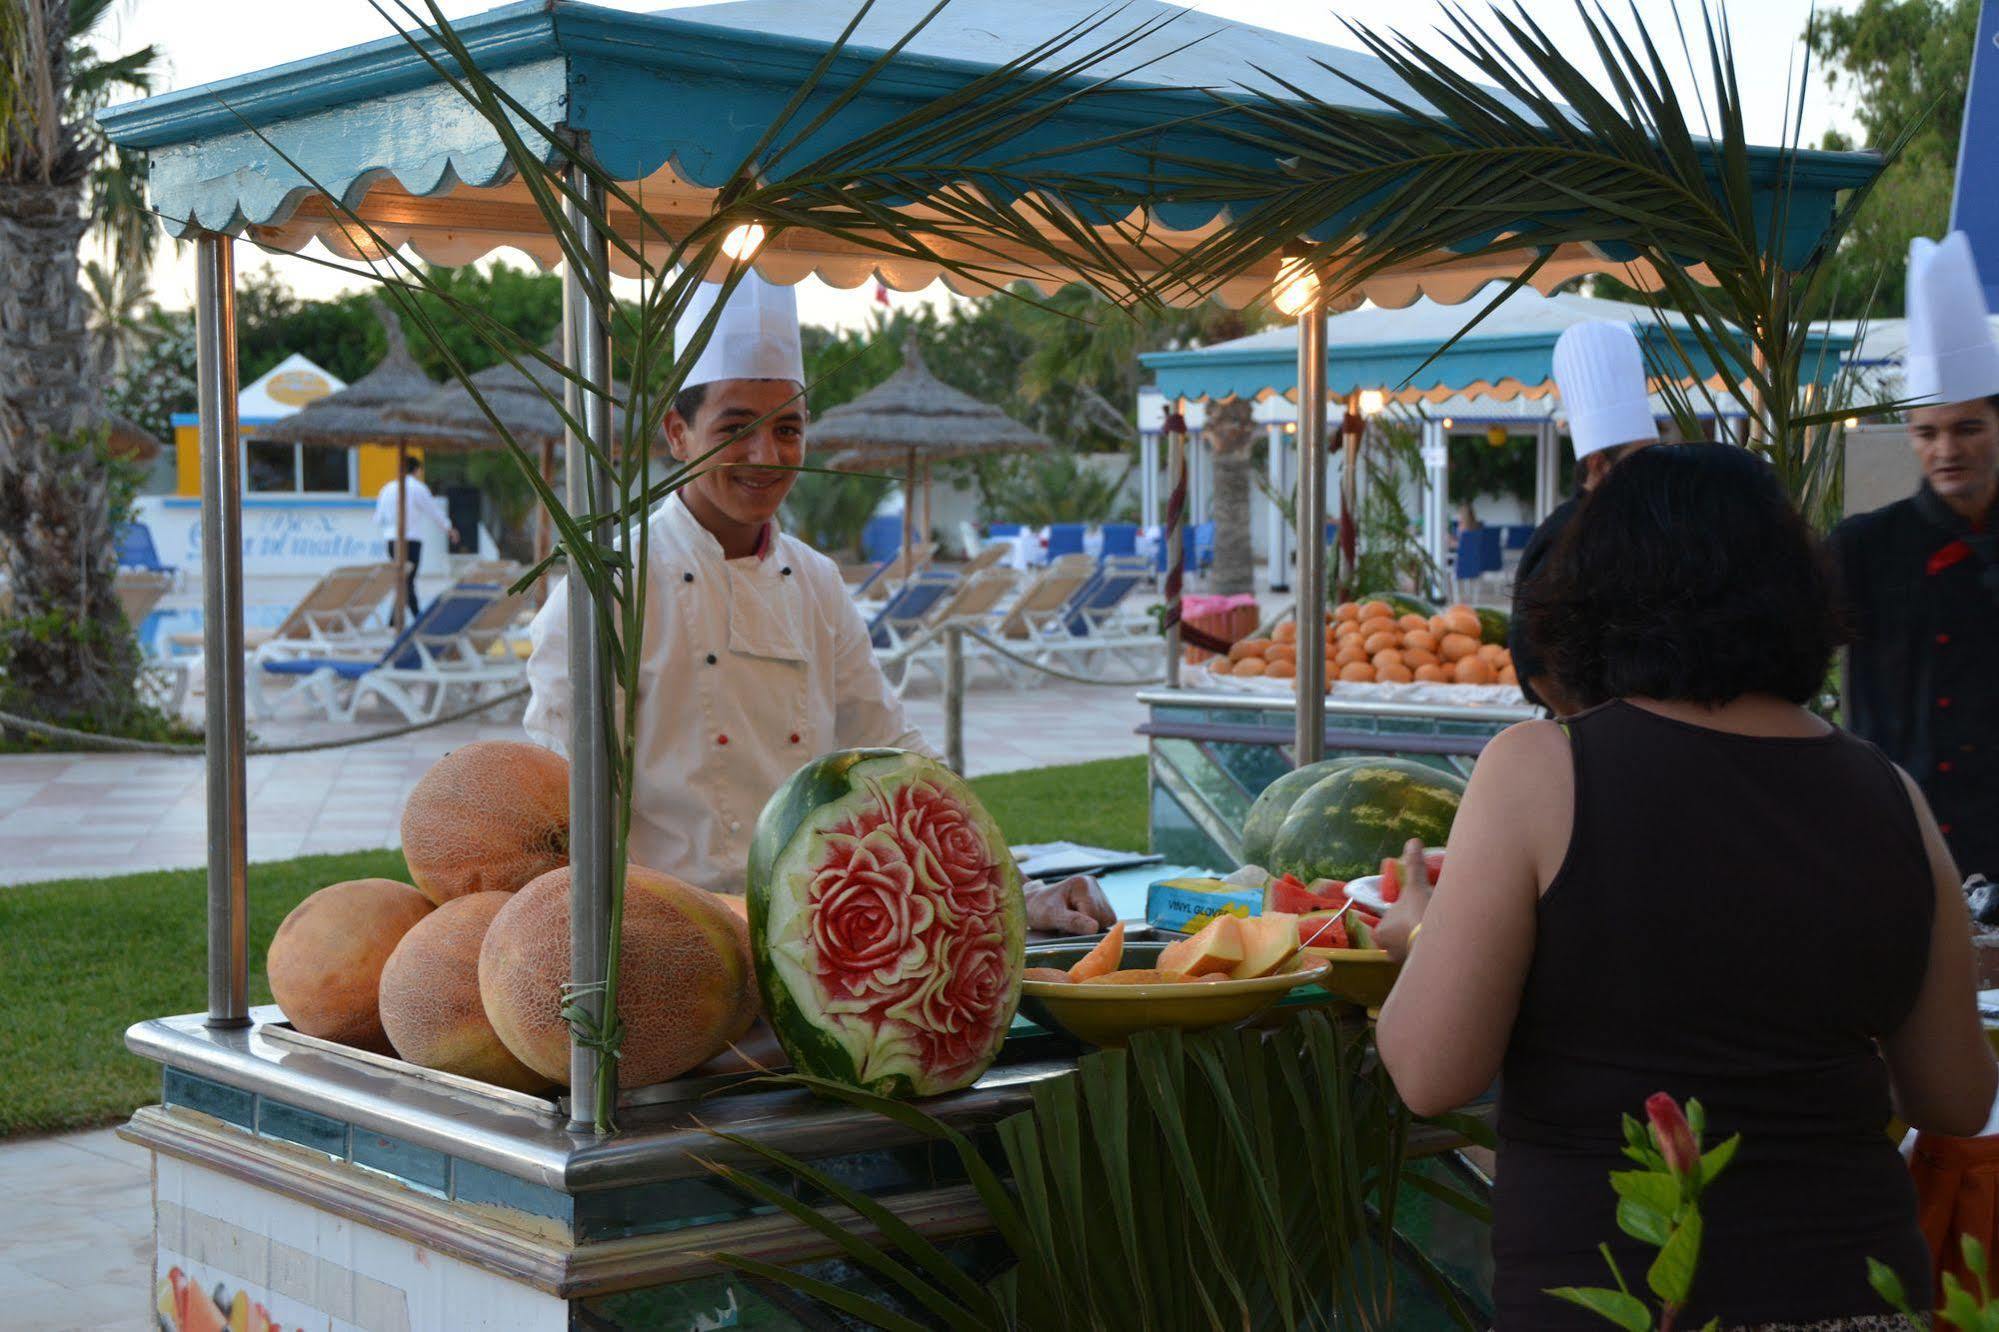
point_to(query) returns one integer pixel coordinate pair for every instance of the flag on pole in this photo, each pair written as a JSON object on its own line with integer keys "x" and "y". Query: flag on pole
{"x": 881, "y": 292}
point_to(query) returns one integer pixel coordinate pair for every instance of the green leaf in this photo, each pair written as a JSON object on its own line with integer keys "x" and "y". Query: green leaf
{"x": 1696, "y": 1114}
{"x": 1671, "y": 1276}
{"x": 1644, "y": 1223}
{"x": 1715, "y": 1161}
{"x": 1659, "y": 1190}
{"x": 1627, "y": 1311}
{"x": 1888, "y": 1286}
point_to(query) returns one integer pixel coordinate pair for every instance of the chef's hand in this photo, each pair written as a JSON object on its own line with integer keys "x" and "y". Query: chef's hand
{"x": 1074, "y": 906}
{"x": 1406, "y": 913}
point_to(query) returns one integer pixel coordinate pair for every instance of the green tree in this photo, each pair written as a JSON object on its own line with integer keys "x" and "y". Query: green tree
{"x": 1898, "y": 60}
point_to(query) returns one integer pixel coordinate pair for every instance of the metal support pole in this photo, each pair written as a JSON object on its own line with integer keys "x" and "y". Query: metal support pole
{"x": 1310, "y": 744}
{"x": 1436, "y": 490}
{"x": 1277, "y": 561}
{"x": 954, "y": 698}
{"x": 586, "y": 350}
{"x": 222, "y": 625}
{"x": 1175, "y": 537}
{"x": 402, "y": 534}
{"x": 1547, "y": 469}
{"x": 1148, "y": 479}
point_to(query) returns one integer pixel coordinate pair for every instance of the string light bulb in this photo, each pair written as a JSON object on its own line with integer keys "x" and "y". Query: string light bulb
{"x": 743, "y": 242}
{"x": 1495, "y": 435}
{"x": 1372, "y": 402}
{"x": 1296, "y": 288}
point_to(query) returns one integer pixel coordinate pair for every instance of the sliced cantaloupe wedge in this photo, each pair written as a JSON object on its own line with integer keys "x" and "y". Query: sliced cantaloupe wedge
{"x": 1268, "y": 942}
{"x": 1053, "y": 974}
{"x": 1218, "y": 947}
{"x": 1147, "y": 976}
{"x": 1105, "y": 958}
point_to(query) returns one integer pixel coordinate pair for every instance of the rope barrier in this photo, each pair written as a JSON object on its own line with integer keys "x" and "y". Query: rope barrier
{"x": 120, "y": 744}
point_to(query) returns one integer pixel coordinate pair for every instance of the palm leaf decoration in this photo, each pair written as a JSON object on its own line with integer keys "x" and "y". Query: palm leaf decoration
{"x": 1167, "y": 1186}
{"x": 1535, "y": 149}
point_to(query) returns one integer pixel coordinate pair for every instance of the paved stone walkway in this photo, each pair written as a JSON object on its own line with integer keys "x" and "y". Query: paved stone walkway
{"x": 72, "y": 815}
{"x": 76, "y": 1234}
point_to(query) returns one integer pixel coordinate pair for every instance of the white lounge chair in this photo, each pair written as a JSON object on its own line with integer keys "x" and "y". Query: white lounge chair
{"x": 973, "y": 602}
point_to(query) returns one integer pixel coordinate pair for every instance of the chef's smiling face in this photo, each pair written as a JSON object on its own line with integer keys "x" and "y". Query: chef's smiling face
{"x": 759, "y": 427}
{"x": 1958, "y": 446}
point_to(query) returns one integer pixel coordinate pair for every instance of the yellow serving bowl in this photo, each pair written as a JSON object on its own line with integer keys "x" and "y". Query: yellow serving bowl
{"x": 1111, "y": 1014}
{"x": 1361, "y": 976}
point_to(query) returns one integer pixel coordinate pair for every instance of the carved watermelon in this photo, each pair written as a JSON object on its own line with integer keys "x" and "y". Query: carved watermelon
{"x": 1266, "y": 816}
{"x": 887, "y": 924}
{"x": 1345, "y": 824}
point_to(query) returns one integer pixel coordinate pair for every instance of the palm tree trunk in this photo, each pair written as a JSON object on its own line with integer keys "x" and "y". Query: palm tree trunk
{"x": 1231, "y": 432}
{"x": 65, "y": 648}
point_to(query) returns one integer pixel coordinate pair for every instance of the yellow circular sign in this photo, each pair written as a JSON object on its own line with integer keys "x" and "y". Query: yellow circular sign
{"x": 296, "y": 388}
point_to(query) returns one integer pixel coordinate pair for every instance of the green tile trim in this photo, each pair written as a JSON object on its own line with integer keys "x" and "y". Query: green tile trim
{"x": 230, "y": 1104}
{"x": 419, "y": 1167}
{"x": 291, "y": 1123}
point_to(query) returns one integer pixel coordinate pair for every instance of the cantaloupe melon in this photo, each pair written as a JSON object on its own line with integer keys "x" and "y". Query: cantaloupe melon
{"x": 325, "y": 962}
{"x": 682, "y": 982}
{"x": 1054, "y": 975}
{"x": 1218, "y": 947}
{"x": 1268, "y": 942}
{"x": 1103, "y": 959}
{"x": 1141, "y": 976}
{"x": 487, "y": 818}
{"x": 430, "y": 997}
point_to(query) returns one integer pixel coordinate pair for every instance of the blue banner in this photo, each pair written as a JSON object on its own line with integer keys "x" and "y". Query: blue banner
{"x": 1975, "y": 204}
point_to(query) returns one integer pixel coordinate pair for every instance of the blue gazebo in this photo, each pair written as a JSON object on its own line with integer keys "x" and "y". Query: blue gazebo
{"x": 1502, "y": 373}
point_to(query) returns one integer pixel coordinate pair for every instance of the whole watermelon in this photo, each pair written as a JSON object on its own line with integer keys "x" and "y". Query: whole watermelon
{"x": 886, "y": 922}
{"x": 1494, "y": 625}
{"x": 1266, "y": 816}
{"x": 1402, "y": 603}
{"x": 1346, "y": 824}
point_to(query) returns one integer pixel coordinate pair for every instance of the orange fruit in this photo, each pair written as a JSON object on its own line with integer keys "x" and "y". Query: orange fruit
{"x": 1383, "y": 640}
{"x": 1377, "y": 624}
{"x": 1248, "y": 647}
{"x": 1385, "y": 658}
{"x": 1414, "y": 657}
{"x": 1456, "y": 646}
{"x": 1357, "y": 670}
{"x": 1438, "y": 627}
{"x": 1490, "y": 653}
{"x": 1348, "y": 656}
{"x": 1282, "y": 668}
{"x": 1460, "y": 620}
{"x": 1507, "y": 675}
{"x": 1376, "y": 610}
{"x": 1251, "y": 666}
{"x": 1394, "y": 673}
{"x": 1346, "y": 610}
{"x": 1433, "y": 675}
{"x": 1281, "y": 652}
{"x": 1286, "y": 632}
{"x": 1470, "y": 670}
{"x": 1413, "y": 621}
{"x": 1421, "y": 640}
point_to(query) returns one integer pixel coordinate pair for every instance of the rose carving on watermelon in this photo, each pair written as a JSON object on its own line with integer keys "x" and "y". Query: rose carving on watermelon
{"x": 886, "y": 919}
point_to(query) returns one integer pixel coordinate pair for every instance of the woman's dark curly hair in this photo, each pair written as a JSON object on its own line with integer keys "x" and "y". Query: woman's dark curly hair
{"x": 1686, "y": 575}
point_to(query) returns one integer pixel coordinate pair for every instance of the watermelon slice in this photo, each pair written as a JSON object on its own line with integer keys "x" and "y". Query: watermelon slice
{"x": 1287, "y": 894}
{"x": 1323, "y": 929}
{"x": 887, "y": 923}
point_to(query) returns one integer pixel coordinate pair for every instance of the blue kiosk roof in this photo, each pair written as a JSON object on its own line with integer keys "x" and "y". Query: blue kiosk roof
{"x": 1509, "y": 355}
{"x": 677, "y": 99}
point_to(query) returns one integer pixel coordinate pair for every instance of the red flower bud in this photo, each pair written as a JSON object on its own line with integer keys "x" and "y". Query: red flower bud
{"x": 1671, "y": 1131}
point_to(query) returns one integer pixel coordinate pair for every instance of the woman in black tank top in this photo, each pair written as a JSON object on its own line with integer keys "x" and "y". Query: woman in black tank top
{"x": 1697, "y": 887}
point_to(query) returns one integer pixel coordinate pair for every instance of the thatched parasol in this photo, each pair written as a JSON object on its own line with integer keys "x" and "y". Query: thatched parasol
{"x": 130, "y": 441}
{"x": 359, "y": 414}
{"x": 914, "y": 417}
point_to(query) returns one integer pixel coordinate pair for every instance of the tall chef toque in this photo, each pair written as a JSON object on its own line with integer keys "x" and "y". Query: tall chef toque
{"x": 755, "y": 337}
{"x": 1952, "y": 355}
{"x": 1600, "y": 372}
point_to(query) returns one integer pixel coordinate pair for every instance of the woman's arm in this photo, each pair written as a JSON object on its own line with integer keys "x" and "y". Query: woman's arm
{"x": 1444, "y": 1029}
{"x": 1939, "y": 1061}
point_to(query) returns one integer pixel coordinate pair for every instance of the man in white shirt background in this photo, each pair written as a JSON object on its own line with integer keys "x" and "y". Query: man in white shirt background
{"x": 416, "y": 499}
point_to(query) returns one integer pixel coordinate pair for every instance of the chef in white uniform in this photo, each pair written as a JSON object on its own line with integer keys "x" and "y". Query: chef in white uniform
{"x": 755, "y": 659}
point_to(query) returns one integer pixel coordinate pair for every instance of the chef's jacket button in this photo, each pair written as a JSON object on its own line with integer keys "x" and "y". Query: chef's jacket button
{"x": 711, "y": 659}
{"x": 786, "y": 571}
{"x": 1942, "y": 639}
{"x": 721, "y": 739}
{"x": 687, "y": 578}
{"x": 1943, "y": 702}
{"x": 1944, "y": 828}
{"x": 1944, "y": 766}
{"x": 794, "y": 737}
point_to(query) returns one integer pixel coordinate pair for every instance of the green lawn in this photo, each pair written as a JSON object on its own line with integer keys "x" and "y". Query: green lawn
{"x": 82, "y": 959}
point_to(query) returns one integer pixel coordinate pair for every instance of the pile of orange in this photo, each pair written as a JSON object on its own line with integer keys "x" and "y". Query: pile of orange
{"x": 1367, "y": 642}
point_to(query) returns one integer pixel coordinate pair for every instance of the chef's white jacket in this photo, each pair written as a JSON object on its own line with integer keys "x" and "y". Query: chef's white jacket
{"x": 751, "y": 668}
{"x": 418, "y": 504}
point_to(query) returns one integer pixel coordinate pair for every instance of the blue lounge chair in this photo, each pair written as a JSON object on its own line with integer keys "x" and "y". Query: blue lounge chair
{"x": 1097, "y": 619}
{"x": 447, "y": 647}
{"x": 1066, "y": 539}
{"x": 1119, "y": 539}
{"x": 882, "y": 537}
{"x": 1478, "y": 554}
{"x": 1002, "y": 531}
{"x": 137, "y": 551}
{"x": 908, "y": 607}
{"x": 1518, "y": 535}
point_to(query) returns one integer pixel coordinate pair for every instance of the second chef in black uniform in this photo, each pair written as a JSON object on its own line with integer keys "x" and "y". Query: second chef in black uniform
{"x": 1922, "y": 575}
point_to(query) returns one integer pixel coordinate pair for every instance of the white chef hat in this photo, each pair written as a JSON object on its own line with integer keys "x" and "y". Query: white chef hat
{"x": 1952, "y": 356}
{"x": 755, "y": 337}
{"x": 1600, "y": 372}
